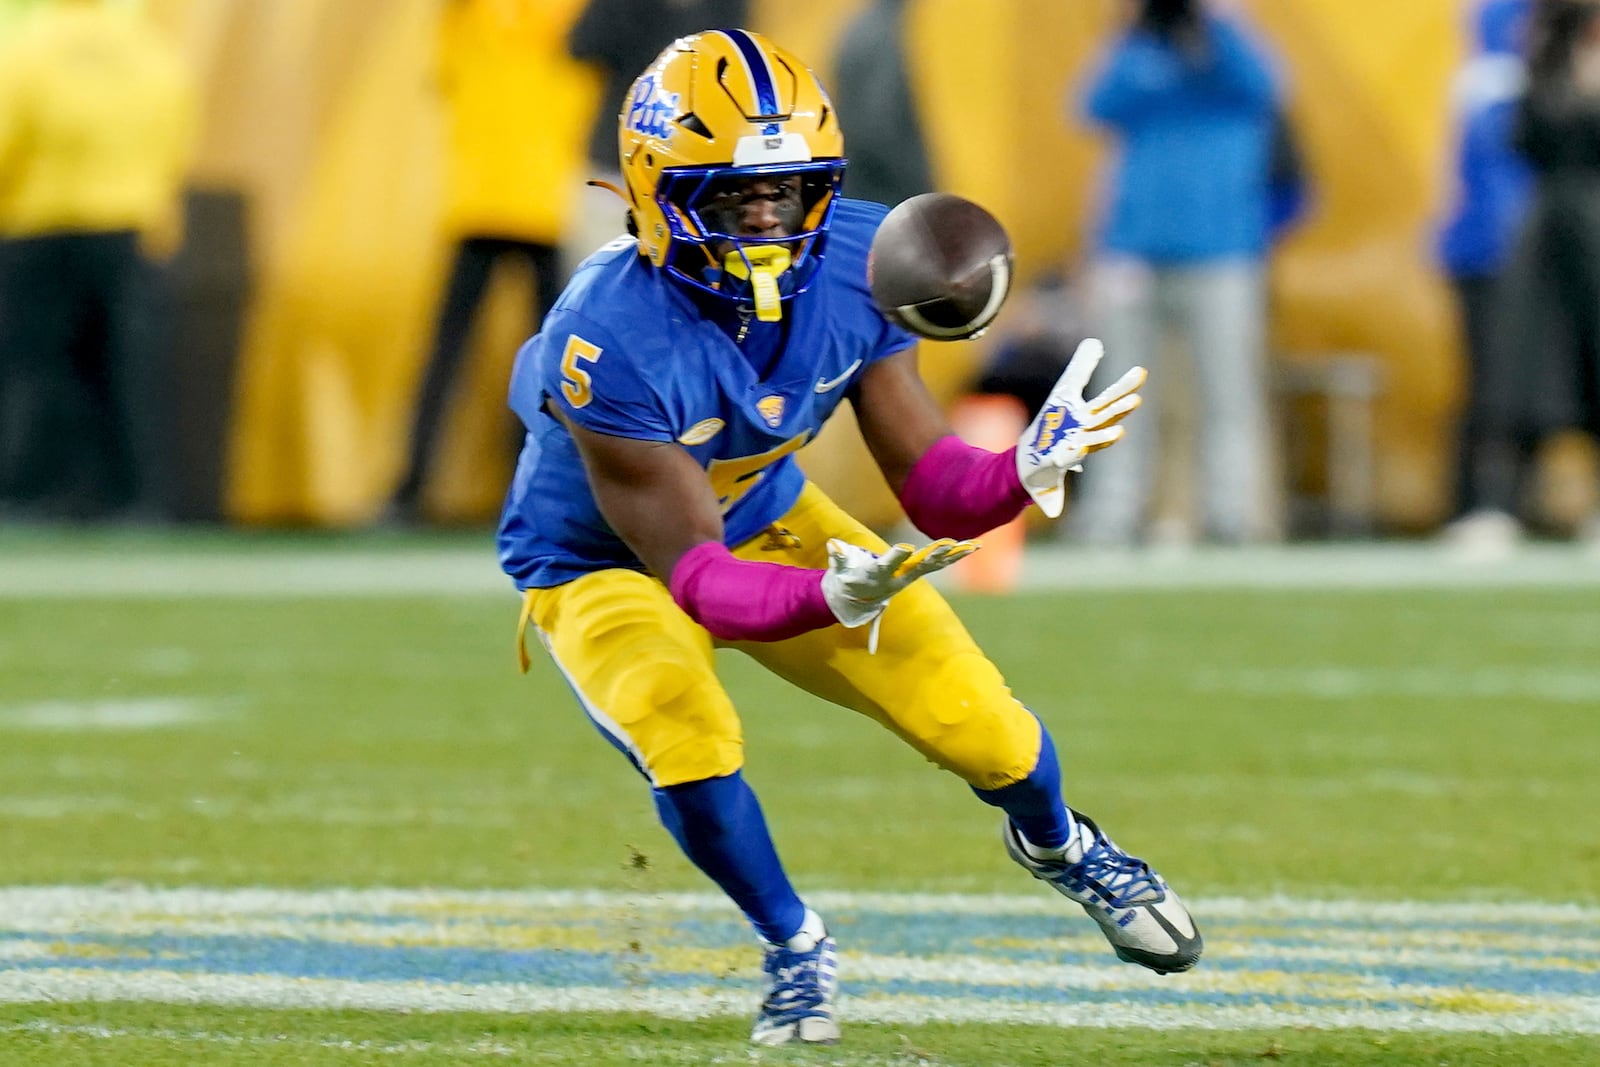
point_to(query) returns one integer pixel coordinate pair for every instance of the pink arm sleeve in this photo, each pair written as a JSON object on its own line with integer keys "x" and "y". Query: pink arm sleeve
{"x": 957, "y": 490}
{"x": 738, "y": 600}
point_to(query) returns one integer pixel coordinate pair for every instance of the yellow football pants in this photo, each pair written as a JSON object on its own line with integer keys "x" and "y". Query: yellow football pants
{"x": 644, "y": 671}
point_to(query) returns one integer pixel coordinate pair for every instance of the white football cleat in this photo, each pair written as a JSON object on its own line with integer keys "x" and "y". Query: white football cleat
{"x": 1140, "y": 915}
{"x": 799, "y": 1007}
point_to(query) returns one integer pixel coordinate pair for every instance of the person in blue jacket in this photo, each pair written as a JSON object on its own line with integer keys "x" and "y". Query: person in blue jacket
{"x": 1493, "y": 187}
{"x": 1189, "y": 215}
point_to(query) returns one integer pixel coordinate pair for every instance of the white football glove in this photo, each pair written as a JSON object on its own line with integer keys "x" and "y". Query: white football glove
{"x": 1068, "y": 427}
{"x": 859, "y": 582}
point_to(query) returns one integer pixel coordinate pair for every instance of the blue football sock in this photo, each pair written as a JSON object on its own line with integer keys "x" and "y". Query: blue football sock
{"x": 719, "y": 825}
{"x": 1035, "y": 803}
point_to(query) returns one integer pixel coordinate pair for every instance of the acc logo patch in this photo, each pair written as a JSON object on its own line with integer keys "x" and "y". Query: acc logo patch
{"x": 650, "y": 108}
{"x": 771, "y": 408}
{"x": 701, "y": 432}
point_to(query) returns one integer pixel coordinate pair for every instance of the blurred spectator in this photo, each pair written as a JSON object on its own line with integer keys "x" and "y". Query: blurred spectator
{"x": 1493, "y": 184}
{"x": 1541, "y": 376}
{"x": 872, "y": 85}
{"x": 516, "y": 106}
{"x": 96, "y": 124}
{"x": 620, "y": 38}
{"x": 1192, "y": 102}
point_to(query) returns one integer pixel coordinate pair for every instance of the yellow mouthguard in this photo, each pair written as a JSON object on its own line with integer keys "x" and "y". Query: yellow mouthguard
{"x": 766, "y": 263}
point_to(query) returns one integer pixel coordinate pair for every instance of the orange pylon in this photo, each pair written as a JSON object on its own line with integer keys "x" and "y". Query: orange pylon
{"x": 994, "y": 422}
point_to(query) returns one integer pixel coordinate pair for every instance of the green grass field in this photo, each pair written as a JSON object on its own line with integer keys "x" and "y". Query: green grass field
{"x": 218, "y": 753}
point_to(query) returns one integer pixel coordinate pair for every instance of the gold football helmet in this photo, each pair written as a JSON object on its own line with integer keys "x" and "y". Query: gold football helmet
{"x": 716, "y": 109}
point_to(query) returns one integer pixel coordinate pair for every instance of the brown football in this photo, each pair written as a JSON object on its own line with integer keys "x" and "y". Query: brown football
{"x": 940, "y": 266}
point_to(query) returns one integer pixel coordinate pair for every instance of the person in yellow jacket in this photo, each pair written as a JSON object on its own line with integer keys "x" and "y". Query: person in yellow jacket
{"x": 517, "y": 109}
{"x": 96, "y": 124}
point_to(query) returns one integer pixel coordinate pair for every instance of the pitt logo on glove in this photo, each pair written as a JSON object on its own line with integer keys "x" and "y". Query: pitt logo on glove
{"x": 1050, "y": 420}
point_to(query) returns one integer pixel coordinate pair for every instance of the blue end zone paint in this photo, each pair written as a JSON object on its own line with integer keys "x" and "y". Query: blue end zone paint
{"x": 1451, "y": 967}
{"x": 676, "y": 955}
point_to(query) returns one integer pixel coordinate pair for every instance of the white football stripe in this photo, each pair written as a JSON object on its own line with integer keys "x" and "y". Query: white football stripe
{"x": 999, "y": 285}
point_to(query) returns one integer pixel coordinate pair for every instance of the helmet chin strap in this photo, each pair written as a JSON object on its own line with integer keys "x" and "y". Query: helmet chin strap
{"x": 761, "y": 265}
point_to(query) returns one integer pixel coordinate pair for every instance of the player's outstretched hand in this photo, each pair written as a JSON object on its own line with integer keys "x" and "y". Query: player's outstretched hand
{"x": 1069, "y": 427}
{"x": 859, "y": 581}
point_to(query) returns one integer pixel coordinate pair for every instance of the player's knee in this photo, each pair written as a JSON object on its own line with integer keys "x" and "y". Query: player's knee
{"x": 680, "y": 719}
{"x": 976, "y": 728}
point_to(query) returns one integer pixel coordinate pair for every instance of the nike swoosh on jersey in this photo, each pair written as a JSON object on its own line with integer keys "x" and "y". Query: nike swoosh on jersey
{"x": 828, "y": 385}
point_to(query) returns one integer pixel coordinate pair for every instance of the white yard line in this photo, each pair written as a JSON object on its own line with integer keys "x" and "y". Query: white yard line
{"x": 93, "y": 716}
{"x": 481, "y": 1047}
{"x": 142, "y": 572}
{"x": 1399, "y": 965}
{"x": 1533, "y": 682}
{"x": 1374, "y": 565}
{"x": 267, "y": 991}
{"x": 19, "y": 903}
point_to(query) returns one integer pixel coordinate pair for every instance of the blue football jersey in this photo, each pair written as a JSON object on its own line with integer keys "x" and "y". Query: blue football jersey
{"x": 628, "y": 352}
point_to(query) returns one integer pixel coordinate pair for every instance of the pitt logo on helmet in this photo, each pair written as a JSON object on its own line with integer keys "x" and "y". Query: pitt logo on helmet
{"x": 650, "y": 110}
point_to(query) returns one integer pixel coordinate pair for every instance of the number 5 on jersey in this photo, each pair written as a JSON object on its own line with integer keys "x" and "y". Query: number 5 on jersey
{"x": 576, "y": 385}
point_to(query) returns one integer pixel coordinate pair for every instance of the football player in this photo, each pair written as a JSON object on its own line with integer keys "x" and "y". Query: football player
{"x": 658, "y": 513}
